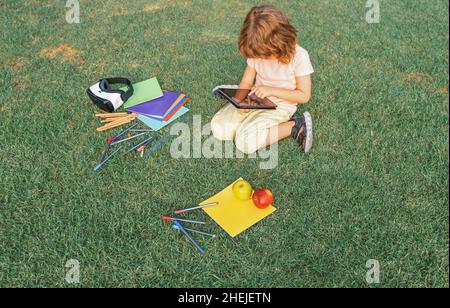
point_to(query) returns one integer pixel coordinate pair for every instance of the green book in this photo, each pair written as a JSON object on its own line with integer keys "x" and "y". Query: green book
{"x": 144, "y": 91}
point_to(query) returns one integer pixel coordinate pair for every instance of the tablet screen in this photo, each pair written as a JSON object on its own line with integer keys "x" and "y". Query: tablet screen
{"x": 241, "y": 99}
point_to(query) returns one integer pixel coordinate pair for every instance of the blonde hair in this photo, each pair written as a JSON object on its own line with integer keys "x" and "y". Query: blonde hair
{"x": 266, "y": 33}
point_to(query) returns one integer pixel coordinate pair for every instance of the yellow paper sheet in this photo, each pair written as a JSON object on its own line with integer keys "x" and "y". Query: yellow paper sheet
{"x": 234, "y": 215}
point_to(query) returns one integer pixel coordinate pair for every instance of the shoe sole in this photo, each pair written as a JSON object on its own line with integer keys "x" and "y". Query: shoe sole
{"x": 309, "y": 132}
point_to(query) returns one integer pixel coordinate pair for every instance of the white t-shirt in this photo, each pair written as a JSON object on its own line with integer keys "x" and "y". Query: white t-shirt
{"x": 272, "y": 73}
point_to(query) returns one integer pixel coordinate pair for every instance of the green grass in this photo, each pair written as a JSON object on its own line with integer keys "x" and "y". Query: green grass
{"x": 374, "y": 187}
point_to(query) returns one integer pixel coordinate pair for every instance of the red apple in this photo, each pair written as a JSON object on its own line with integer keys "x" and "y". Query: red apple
{"x": 262, "y": 198}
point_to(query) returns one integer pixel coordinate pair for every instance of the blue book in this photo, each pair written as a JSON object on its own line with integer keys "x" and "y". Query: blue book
{"x": 155, "y": 124}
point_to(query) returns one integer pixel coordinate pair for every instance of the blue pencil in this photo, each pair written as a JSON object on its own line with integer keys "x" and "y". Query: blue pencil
{"x": 195, "y": 231}
{"x": 105, "y": 149}
{"x": 141, "y": 130}
{"x": 113, "y": 138}
{"x": 188, "y": 236}
{"x": 127, "y": 139}
{"x": 148, "y": 140}
{"x": 98, "y": 166}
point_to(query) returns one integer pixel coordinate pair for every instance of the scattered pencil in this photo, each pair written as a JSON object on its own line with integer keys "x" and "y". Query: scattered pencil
{"x": 146, "y": 141}
{"x": 105, "y": 150}
{"x": 141, "y": 130}
{"x": 128, "y": 138}
{"x": 180, "y": 227}
{"x": 98, "y": 166}
{"x": 114, "y": 124}
{"x": 113, "y": 120}
{"x": 111, "y": 115}
{"x": 167, "y": 218}
{"x": 113, "y": 138}
{"x": 115, "y": 141}
{"x": 196, "y": 208}
{"x": 194, "y": 231}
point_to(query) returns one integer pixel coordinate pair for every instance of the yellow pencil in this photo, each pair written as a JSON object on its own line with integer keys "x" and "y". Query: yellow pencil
{"x": 114, "y": 124}
{"x": 111, "y": 115}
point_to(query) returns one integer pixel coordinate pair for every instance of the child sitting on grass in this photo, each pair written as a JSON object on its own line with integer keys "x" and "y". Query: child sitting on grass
{"x": 282, "y": 70}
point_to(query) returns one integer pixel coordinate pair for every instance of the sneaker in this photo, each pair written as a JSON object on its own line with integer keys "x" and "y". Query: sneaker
{"x": 302, "y": 132}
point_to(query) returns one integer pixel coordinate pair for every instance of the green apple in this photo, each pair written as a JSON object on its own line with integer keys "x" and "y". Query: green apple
{"x": 242, "y": 190}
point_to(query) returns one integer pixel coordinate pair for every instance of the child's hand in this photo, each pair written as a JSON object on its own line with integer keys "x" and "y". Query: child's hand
{"x": 261, "y": 91}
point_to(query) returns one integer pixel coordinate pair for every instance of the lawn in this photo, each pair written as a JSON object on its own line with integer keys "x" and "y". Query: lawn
{"x": 375, "y": 185}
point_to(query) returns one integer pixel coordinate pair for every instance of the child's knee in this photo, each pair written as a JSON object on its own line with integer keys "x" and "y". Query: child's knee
{"x": 221, "y": 130}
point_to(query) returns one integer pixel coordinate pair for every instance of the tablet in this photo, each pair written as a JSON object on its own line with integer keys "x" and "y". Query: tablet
{"x": 240, "y": 99}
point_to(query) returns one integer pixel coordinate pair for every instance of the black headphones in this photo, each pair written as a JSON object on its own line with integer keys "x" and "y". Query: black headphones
{"x": 104, "y": 85}
{"x": 105, "y": 97}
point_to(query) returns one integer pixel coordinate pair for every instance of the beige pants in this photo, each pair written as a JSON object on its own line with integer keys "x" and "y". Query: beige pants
{"x": 248, "y": 130}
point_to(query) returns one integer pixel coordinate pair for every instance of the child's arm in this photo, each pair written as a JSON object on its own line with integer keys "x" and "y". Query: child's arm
{"x": 247, "y": 82}
{"x": 248, "y": 79}
{"x": 301, "y": 95}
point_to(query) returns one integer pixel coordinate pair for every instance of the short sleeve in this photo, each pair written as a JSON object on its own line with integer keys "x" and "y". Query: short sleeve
{"x": 302, "y": 63}
{"x": 251, "y": 63}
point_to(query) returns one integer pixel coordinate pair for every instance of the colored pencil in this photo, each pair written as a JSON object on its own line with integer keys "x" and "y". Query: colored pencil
{"x": 189, "y": 237}
{"x": 184, "y": 220}
{"x": 112, "y": 115}
{"x": 114, "y": 119}
{"x": 119, "y": 122}
{"x": 195, "y": 208}
{"x": 98, "y": 166}
{"x": 141, "y": 130}
{"x": 105, "y": 149}
{"x": 117, "y": 119}
{"x": 195, "y": 231}
{"x": 146, "y": 141}
{"x": 112, "y": 125}
{"x": 111, "y": 120}
{"x": 127, "y": 139}
{"x": 113, "y": 138}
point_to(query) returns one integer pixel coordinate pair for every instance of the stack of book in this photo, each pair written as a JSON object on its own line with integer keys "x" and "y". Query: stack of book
{"x": 154, "y": 107}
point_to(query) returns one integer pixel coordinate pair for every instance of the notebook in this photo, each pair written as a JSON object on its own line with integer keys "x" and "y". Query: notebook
{"x": 170, "y": 113}
{"x": 157, "y": 124}
{"x": 159, "y": 107}
{"x": 144, "y": 91}
{"x": 175, "y": 109}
